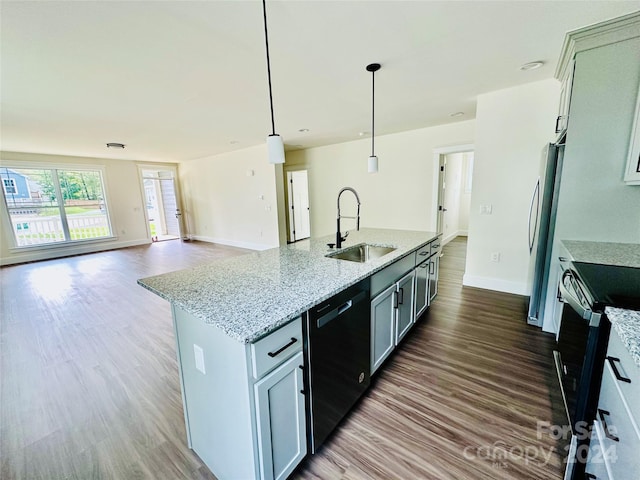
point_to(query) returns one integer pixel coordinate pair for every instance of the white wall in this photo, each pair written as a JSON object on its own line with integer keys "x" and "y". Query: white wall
{"x": 225, "y": 203}
{"x": 465, "y": 194}
{"x": 512, "y": 127}
{"x": 399, "y": 196}
{"x": 125, "y": 202}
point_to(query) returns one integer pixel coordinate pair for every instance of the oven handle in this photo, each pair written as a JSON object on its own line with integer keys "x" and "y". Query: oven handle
{"x": 566, "y": 297}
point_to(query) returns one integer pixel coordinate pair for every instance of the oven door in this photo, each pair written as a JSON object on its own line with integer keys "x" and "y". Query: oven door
{"x": 577, "y": 348}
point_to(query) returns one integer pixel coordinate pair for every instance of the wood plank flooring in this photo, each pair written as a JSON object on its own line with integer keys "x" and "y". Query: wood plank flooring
{"x": 460, "y": 399}
{"x": 89, "y": 382}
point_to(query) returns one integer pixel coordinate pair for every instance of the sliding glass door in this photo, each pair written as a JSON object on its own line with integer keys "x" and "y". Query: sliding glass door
{"x": 49, "y": 206}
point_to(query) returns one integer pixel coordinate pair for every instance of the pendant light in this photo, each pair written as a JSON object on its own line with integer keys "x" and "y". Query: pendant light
{"x": 372, "y": 163}
{"x": 275, "y": 146}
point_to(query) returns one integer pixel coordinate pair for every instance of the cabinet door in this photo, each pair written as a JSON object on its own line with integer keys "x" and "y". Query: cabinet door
{"x": 382, "y": 326}
{"x": 280, "y": 418}
{"x": 422, "y": 283}
{"x": 434, "y": 267}
{"x": 404, "y": 310}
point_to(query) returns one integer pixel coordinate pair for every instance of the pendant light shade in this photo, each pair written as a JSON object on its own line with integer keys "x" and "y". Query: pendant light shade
{"x": 275, "y": 145}
{"x": 275, "y": 148}
{"x": 372, "y": 164}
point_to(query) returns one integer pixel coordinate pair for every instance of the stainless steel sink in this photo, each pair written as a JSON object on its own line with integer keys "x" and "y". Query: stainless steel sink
{"x": 362, "y": 252}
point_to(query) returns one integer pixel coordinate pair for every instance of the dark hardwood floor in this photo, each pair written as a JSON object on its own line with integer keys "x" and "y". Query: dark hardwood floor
{"x": 89, "y": 381}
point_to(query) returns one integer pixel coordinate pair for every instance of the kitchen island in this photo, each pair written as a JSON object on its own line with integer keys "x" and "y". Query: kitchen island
{"x": 240, "y": 345}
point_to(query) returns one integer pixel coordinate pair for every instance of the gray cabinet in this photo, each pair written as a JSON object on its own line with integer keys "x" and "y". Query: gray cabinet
{"x": 404, "y": 306}
{"x": 422, "y": 288}
{"x": 434, "y": 269}
{"x": 280, "y": 418}
{"x": 243, "y": 407}
{"x": 382, "y": 326}
{"x": 392, "y": 316}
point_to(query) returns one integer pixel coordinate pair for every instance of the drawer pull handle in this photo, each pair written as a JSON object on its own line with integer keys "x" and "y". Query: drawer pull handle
{"x": 423, "y": 254}
{"x": 620, "y": 378}
{"x": 280, "y": 350}
{"x": 589, "y": 476}
{"x": 607, "y": 433}
{"x": 436, "y": 246}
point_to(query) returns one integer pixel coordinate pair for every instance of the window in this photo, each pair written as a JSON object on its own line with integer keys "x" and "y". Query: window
{"x": 9, "y": 186}
{"x": 49, "y": 206}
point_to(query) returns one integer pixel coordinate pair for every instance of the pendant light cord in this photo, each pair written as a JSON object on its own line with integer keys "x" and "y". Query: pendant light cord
{"x": 266, "y": 42}
{"x": 373, "y": 108}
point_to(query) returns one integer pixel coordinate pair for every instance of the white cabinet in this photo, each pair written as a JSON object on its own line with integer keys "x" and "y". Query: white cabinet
{"x": 280, "y": 419}
{"x": 614, "y": 449}
{"x": 392, "y": 315}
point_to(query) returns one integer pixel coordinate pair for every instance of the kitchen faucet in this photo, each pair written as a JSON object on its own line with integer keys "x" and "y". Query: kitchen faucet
{"x": 339, "y": 237}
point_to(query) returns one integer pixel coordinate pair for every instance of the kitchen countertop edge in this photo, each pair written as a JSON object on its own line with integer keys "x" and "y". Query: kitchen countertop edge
{"x": 237, "y": 322}
{"x": 626, "y": 323}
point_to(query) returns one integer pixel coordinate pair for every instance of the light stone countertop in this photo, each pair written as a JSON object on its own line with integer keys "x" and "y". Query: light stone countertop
{"x": 626, "y": 323}
{"x": 251, "y": 295}
{"x": 606, "y": 253}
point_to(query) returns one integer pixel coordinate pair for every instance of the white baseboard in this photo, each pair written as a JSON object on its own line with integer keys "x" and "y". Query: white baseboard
{"x": 66, "y": 251}
{"x": 497, "y": 284}
{"x": 232, "y": 243}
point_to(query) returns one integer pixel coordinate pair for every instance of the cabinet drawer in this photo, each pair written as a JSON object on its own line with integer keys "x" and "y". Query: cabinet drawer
{"x": 436, "y": 246}
{"x": 275, "y": 348}
{"x": 423, "y": 253}
{"x": 618, "y": 439}
{"x": 388, "y": 275}
{"x": 620, "y": 362}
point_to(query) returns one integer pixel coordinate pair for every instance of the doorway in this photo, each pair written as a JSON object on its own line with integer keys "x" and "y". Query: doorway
{"x": 453, "y": 191}
{"x": 298, "y": 205}
{"x": 162, "y": 208}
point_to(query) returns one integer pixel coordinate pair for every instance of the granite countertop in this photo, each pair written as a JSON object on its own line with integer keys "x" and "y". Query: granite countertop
{"x": 606, "y": 253}
{"x": 249, "y": 296}
{"x": 626, "y": 323}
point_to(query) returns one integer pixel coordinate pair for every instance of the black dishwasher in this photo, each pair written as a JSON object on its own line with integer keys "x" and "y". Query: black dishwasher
{"x": 338, "y": 354}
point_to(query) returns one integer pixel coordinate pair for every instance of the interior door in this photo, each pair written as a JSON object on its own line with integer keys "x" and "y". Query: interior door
{"x": 299, "y": 222}
{"x": 441, "y": 193}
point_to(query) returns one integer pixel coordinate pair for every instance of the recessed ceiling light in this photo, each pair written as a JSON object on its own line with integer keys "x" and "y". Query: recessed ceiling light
{"x": 234, "y": 142}
{"x": 303, "y": 130}
{"x": 115, "y": 145}
{"x": 531, "y": 65}
{"x": 363, "y": 134}
{"x": 456, "y": 114}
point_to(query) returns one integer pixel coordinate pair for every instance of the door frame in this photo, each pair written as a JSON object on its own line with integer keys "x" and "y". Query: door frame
{"x": 438, "y": 157}
{"x": 176, "y": 187}
{"x": 291, "y": 237}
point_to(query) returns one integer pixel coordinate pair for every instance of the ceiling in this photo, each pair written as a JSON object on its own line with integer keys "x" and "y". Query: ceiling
{"x": 178, "y": 80}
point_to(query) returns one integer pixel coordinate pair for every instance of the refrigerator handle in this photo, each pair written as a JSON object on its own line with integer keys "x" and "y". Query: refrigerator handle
{"x": 535, "y": 199}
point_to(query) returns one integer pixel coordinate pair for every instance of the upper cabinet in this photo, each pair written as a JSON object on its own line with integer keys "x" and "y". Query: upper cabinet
{"x": 566, "y": 81}
{"x": 632, "y": 173}
{"x": 599, "y": 71}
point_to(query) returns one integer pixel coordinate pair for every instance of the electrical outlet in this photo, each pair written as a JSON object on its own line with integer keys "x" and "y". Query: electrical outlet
{"x": 198, "y": 353}
{"x": 495, "y": 257}
{"x": 486, "y": 209}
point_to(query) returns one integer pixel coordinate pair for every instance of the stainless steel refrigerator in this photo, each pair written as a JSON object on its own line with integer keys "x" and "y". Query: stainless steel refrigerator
{"x": 542, "y": 218}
